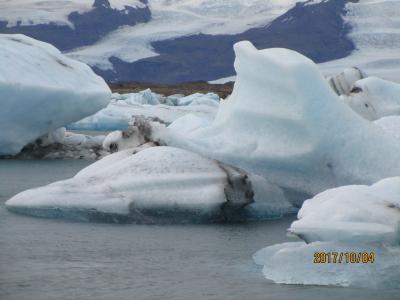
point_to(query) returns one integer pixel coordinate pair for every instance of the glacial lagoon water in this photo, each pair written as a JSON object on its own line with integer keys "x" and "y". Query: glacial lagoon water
{"x": 44, "y": 259}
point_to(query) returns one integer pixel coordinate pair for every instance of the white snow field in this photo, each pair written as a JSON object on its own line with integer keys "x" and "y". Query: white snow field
{"x": 374, "y": 98}
{"x": 158, "y": 184}
{"x": 285, "y": 123}
{"x": 360, "y": 219}
{"x": 175, "y": 18}
{"x": 293, "y": 263}
{"x": 119, "y": 112}
{"x": 41, "y": 90}
{"x": 376, "y": 34}
{"x": 32, "y": 12}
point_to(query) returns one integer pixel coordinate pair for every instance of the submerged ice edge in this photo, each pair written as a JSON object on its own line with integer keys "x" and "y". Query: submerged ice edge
{"x": 156, "y": 185}
{"x": 293, "y": 263}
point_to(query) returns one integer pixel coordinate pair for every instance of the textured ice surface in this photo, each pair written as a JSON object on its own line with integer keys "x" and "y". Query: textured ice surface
{"x": 374, "y": 98}
{"x": 285, "y": 123}
{"x": 293, "y": 263}
{"x": 64, "y": 145}
{"x": 159, "y": 184}
{"x": 119, "y": 112}
{"x": 41, "y": 90}
{"x": 363, "y": 214}
{"x": 391, "y": 125}
{"x": 376, "y": 34}
{"x": 343, "y": 82}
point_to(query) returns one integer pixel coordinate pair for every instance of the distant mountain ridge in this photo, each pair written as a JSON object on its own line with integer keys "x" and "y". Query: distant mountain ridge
{"x": 172, "y": 41}
{"x": 317, "y": 31}
{"x": 88, "y": 27}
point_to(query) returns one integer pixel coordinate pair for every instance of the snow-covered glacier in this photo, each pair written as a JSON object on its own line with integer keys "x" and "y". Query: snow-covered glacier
{"x": 155, "y": 185}
{"x": 41, "y": 90}
{"x": 351, "y": 219}
{"x": 285, "y": 123}
{"x": 376, "y": 35}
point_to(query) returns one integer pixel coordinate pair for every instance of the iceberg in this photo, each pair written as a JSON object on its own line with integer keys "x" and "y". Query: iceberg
{"x": 155, "y": 185}
{"x": 53, "y": 91}
{"x": 284, "y": 122}
{"x": 342, "y": 84}
{"x": 356, "y": 228}
{"x": 391, "y": 125}
{"x": 293, "y": 263}
{"x": 61, "y": 144}
{"x": 118, "y": 114}
{"x": 355, "y": 213}
{"x": 374, "y": 98}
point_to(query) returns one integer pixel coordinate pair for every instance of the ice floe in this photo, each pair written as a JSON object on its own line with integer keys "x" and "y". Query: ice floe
{"x": 53, "y": 91}
{"x": 117, "y": 115}
{"x": 356, "y": 231}
{"x": 374, "y": 98}
{"x": 293, "y": 263}
{"x": 155, "y": 185}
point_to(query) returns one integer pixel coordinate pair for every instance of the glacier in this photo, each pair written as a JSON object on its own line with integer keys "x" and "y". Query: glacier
{"x": 53, "y": 92}
{"x": 155, "y": 185}
{"x": 31, "y": 12}
{"x": 376, "y": 35}
{"x": 172, "y": 19}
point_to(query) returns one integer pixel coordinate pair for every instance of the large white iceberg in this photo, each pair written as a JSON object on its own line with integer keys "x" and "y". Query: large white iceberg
{"x": 158, "y": 184}
{"x": 41, "y": 90}
{"x": 285, "y": 123}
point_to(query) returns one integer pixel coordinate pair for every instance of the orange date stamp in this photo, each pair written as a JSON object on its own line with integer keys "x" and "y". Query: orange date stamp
{"x": 344, "y": 257}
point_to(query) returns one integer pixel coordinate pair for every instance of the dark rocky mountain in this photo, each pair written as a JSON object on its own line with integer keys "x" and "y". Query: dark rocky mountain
{"x": 89, "y": 27}
{"x": 316, "y": 30}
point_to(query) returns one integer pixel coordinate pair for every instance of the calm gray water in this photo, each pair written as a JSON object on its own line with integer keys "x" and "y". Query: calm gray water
{"x": 48, "y": 259}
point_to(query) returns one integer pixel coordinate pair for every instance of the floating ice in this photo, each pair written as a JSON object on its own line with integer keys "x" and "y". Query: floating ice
{"x": 285, "y": 123}
{"x": 158, "y": 184}
{"x": 364, "y": 214}
{"x": 391, "y": 125}
{"x": 64, "y": 145}
{"x": 41, "y": 90}
{"x": 355, "y": 230}
{"x": 293, "y": 263}
{"x": 374, "y": 98}
{"x": 343, "y": 83}
{"x": 122, "y": 108}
